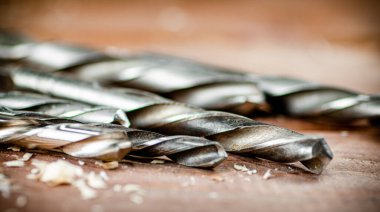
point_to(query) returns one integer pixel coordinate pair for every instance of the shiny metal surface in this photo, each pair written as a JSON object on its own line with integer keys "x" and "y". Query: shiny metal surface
{"x": 184, "y": 150}
{"x": 63, "y": 108}
{"x": 166, "y": 77}
{"x": 287, "y": 96}
{"x": 237, "y": 134}
{"x": 78, "y": 140}
{"x": 304, "y": 99}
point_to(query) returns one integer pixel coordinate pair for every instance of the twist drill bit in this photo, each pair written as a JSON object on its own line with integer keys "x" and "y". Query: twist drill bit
{"x": 77, "y": 140}
{"x": 208, "y": 86}
{"x": 287, "y": 96}
{"x": 63, "y": 108}
{"x": 203, "y": 90}
{"x": 185, "y": 150}
{"x": 148, "y": 111}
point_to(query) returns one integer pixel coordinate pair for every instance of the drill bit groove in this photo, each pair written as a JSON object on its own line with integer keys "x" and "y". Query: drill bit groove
{"x": 236, "y": 133}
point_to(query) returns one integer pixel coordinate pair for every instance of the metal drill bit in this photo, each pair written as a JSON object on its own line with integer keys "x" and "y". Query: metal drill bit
{"x": 288, "y": 96}
{"x": 309, "y": 100}
{"x": 185, "y": 150}
{"x": 63, "y": 108}
{"x": 202, "y": 90}
{"x": 148, "y": 111}
{"x": 77, "y": 140}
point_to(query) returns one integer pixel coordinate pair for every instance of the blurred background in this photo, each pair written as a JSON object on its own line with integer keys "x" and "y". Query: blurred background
{"x": 333, "y": 42}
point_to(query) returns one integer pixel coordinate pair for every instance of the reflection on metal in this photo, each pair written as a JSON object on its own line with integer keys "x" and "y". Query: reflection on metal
{"x": 166, "y": 77}
{"x": 304, "y": 99}
{"x": 63, "y": 108}
{"x": 148, "y": 111}
{"x": 184, "y": 150}
{"x": 30, "y": 130}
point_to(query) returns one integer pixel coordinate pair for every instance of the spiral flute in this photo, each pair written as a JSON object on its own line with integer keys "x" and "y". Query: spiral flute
{"x": 287, "y": 96}
{"x": 143, "y": 72}
{"x": 74, "y": 139}
{"x": 185, "y": 150}
{"x": 63, "y": 108}
{"x": 148, "y": 111}
{"x": 198, "y": 84}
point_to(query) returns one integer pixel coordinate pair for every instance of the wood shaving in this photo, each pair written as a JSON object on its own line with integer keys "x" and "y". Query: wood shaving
{"x": 217, "y": 178}
{"x": 95, "y": 181}
{"x": 20, "y": 162}
{"x": 86, "y": 192}
{"x": 5, "y": 186}
{"x": 157, "y": 162}
{"x": 137, "y": 199}
{"x": 26, "y": 156}
{"x": 104, "y": 175}
{"x": 213, "y": 195}
{"x": 133, "y": 188}
{"x": 62, "y": 172}
{"x": 117, "y": 188}
{"x": 21, "y": 201}
{"x": 107, "y": 165}
{"x": 243, "y": 168}
{"x": 14, "y": 148}
{"x": 14, "y": 163}
{"x": 267, "y": 175}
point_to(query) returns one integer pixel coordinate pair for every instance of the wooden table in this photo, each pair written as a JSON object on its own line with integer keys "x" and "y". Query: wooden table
{"x": 335, "y": 43}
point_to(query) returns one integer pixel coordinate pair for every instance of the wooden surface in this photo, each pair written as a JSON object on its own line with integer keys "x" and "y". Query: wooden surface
{"x": 337, "y": 42}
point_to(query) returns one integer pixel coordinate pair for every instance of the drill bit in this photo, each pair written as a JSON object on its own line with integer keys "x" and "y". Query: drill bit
{"x": 74, "y": 139}
{"x": 201, "y": 89}
{"x": 287, "y": 96}
{"x": 185, "y": 150}
{"x": 207, "y": 86}
{"x": 63, "y": 108}
{"x": 148, "y": 111}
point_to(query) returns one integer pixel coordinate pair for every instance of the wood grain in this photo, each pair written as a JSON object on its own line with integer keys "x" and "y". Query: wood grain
{"x": 335, "y": 42}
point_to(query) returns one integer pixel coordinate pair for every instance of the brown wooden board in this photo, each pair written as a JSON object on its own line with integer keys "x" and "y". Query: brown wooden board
{"x": 336, "y": 43}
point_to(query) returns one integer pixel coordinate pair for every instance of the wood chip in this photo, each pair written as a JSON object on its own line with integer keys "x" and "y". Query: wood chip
{"x": 117, "y": 188}
{"x": 157, "y": 162}
{"x": 95, "y": 181}
{"x": 14, "y": 148}
{"x": 21, "y": 201}
{"x": 104, "y": 175}
{"x": 86, "y": 192}
{"x": 60, "y": 172}
{"x": 133, "y": 188}
{"x": 107, "y": 165}
{"x": 26, "y": 156}
{"x": 243, "y": 168}
{"x": 14, "y": 163}
{"x": 137, "y": 199}
{"x": 5, "y": 186}
{"x": 217, "y": 178}
{"x": 267, "y": 175}
{"x": 240, "y": 167}
{"x": 213, "y": 195}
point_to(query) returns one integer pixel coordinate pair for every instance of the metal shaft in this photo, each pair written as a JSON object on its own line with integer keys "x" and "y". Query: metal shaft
{"x": 202, "y": 90}
{"x": 288, "y": 96}
{"x": 184, "y": 150}
{"x": 148, "y": 111}
{"x": 78, "y": 140}
{"x": 198, "y": 84}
